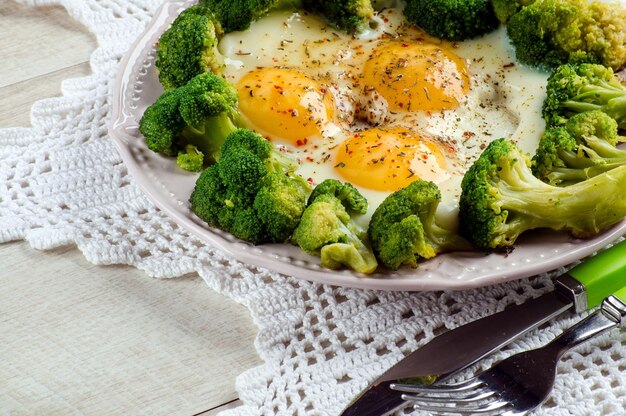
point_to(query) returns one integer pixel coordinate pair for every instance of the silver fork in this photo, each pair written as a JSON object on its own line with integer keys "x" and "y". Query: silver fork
{"x": 520, "y": 383}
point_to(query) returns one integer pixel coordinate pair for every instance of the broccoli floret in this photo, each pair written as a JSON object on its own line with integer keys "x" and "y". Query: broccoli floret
{"x": 224, "y": 208}
{"x": 452, "y": 19}
{"x": 573, "y": 89}
{"x": 280, "y": 203}
{"x": 328, "y": 230}
{"x": 189, "y": 47}
{"x": 248, "y": 157}
{"x": 501, "y": 198}
{"x": 274, "y": 160}
{"x": 249, "y": 195}
{"x": 191, "y": 159}
{"x": 201, "y": 113}
{"x": 350, "y": 197}
{"x": 584, "y": 147}
{"x": 161, "y": 124}
{"x": 352, "y": 16}
{"x": 242, "y": 170}
{"x": 209, "y": 201}
{"x": 504, "y": 9}
{"x": 236, "y": 15}
{"x": 403, "y": 229}
{"x": 548, "y": 33}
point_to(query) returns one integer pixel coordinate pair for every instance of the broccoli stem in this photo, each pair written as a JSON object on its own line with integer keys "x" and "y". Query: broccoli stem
{"x": 352, "y": 253}
{"x": 597, "y": 153}
{"x": 441, "y": 239}
{"x": 280, "y": 162}
{"x": 592, "y": 158}
{"x": 616, "y": 108}
{"x": 601, "y": 96}
{"x": 566, "y": 176}
{"x": 335, "y": 255}
{"x": 604, "y": 149}
{"x": 211, "y": 135}
{"x": 584, "y": 208}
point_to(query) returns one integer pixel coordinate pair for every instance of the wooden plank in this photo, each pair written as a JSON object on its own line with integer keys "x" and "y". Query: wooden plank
{"x": 17, "y": 99}
{"x": 79, "y": 338}
{"x": 39, "y": 41}
{"x": 217, "y": 410}
{"x": 40, "y": 47}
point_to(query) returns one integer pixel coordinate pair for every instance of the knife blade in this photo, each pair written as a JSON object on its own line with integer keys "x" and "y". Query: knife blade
{"x": 582, "y": 288}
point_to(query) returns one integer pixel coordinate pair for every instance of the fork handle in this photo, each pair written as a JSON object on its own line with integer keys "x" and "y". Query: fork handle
{"x": 610, "y": 315}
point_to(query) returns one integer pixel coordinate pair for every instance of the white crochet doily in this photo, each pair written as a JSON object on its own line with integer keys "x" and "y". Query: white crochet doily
{"x": 62, "y": 183}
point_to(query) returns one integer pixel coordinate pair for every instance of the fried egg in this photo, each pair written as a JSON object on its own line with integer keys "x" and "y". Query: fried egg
{"x": 383, "y": 108}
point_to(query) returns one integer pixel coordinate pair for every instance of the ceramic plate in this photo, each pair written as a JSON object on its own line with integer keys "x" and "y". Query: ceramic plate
{"x": 169, "y": 188}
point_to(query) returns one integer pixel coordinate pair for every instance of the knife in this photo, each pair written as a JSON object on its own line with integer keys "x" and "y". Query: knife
{"x": 581, "y": 288}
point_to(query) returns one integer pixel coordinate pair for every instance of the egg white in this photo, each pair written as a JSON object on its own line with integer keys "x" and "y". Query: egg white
{"x": 504, "y": 98}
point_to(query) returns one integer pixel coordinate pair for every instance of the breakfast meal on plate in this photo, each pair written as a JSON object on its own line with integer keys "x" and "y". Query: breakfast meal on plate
{"x": 378, "y": 134}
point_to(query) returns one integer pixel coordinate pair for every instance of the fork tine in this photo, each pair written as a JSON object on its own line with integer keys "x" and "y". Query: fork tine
{"x": 462, "y": 410}
{"x": 468, "y": 385}
{"x": 479, "y": 396}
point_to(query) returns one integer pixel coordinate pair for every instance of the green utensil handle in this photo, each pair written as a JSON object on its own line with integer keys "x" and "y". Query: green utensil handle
{"x": 603, "y": 274}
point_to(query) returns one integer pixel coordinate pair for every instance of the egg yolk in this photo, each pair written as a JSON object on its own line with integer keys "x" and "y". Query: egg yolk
{"x": 417, "y": 76}
{"x": 285, "y": 103}
{"x": 388, "y": 160}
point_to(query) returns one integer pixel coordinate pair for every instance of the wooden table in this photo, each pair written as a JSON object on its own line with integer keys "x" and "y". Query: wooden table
{"x": 82, "y": 339}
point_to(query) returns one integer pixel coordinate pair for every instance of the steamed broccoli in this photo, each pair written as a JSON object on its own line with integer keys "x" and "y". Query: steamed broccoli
{"x": 573, "y": 89}
{"x": 501, "y": 198}
{"x": 190, "y": 159}
{"x": 584, "y": 147}
{"x": 274, "y": 160}
{"x": 236, "y": 15}
{"x": 328, "y": 230}
{"x": 452, "y": 19}
{"x": 248, "y": 194}
{"x": 201, "y": 113}
{"x": 403, "y": 228}
{"x": 348, "y": 15}
{"x": 504, "y": 9}
{"x": 347, "y": 194}
{"x": 189, "y": 47}
{"x": 548, "y": 33}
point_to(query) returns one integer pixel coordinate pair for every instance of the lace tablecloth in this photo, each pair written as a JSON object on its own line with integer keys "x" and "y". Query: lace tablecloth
{"x": 62, "y": 182}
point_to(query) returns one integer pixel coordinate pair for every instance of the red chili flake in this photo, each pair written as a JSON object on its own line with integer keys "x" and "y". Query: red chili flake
{"x": 301, "y": 142}
{"x": 405, "y": 45}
